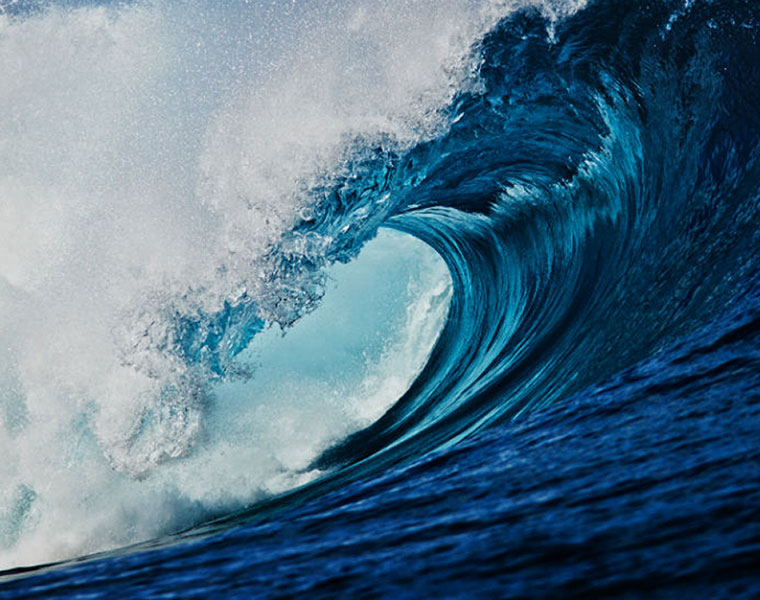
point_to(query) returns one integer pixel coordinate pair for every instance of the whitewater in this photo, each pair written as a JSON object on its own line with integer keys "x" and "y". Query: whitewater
{"x": 156, "y": 158}
{"x": 440, "y": 284}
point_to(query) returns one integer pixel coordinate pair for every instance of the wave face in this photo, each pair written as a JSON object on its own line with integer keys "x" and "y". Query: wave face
{"x": 568, "y": 194}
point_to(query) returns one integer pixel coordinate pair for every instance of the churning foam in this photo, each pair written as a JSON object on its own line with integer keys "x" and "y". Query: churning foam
{"x": 152, "y": 157}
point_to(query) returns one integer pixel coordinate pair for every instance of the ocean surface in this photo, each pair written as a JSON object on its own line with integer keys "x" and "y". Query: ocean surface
{"x": 380, "y": 299}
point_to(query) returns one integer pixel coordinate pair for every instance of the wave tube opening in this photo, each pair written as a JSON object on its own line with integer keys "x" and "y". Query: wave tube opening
{"x": 296, "y": 392}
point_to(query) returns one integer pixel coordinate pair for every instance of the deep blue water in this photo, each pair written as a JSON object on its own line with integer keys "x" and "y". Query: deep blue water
{"x": 588, "y": 422}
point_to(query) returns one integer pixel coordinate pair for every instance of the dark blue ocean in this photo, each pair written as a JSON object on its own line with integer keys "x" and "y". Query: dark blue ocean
{"x": 380, "y": 299}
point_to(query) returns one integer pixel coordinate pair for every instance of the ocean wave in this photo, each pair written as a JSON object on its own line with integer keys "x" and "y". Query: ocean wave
{"x": 587, "y": 174}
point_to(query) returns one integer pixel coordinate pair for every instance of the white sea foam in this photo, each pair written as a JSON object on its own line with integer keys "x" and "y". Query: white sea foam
{"x": 151, "y": 157}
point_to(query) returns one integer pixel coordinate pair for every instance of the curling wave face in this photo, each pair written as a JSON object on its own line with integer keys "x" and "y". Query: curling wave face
{"x": 588, "y": 175}
{"x": 594, "y": 202}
